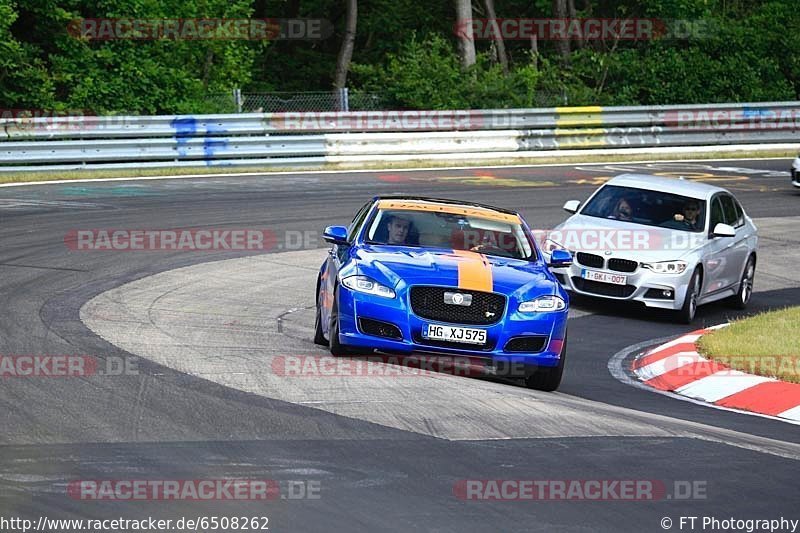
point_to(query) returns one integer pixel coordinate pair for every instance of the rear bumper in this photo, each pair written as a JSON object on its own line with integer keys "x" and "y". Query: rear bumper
{"x": 353, "y": 305}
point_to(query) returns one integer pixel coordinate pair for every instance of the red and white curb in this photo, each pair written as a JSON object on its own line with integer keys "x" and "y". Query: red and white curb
{"x": 677, "y": 367}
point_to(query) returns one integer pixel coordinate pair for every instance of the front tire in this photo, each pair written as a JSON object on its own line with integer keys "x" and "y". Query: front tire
{"x": 689, "y": 309}
{"x": 548, "y": 379}
{"x": 742, "y": 297}
{"x": 319, "y": 337}
{"x": 337, "y": 348}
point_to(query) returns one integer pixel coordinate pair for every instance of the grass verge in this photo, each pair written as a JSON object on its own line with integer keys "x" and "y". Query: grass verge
{"x": 31, "y": 177}
{"x": 767, "y": 344}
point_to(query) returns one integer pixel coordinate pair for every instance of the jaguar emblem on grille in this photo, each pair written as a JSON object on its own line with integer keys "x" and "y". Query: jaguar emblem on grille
{"x": 489, "y": 314}
{"x": 457, "y": 298}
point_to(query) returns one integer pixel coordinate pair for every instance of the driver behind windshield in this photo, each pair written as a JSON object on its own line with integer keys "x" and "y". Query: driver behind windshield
{"x": 452, "y": 231}
{"x": 398, "y": 228}
{"x": 689, "y": 217}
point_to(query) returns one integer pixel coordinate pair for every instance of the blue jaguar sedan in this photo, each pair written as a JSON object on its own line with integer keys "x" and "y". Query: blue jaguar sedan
{"x": 413, "y": 275}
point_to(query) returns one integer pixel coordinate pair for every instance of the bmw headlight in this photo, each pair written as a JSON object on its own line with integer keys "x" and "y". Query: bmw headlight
{"x": 666, "y": 267}
{"x": 543, "y": 304}
{"x": 367, "y": 286}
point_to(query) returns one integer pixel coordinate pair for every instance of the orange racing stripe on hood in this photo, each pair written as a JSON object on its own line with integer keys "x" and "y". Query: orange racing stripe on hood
{"x": 474, "y": 271}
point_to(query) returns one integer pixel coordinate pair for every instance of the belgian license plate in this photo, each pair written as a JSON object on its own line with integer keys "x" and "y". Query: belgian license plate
{"x": 455, "y": 334}
{"x": 604, "y": 277}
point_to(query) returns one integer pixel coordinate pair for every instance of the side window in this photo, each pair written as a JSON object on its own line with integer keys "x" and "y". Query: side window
{"x": 358, "y": 220}
{"x": 716, "y": 213}
{"x": 739, "y": 213}
{"x": 729, "y": 210}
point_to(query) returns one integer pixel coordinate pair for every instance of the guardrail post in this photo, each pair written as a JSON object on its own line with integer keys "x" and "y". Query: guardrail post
{"x": 237, "y": 100}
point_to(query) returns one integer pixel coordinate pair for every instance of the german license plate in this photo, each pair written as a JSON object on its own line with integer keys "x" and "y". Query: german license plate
{"x": 455, "y": 334}
{"x": 604, "y": 277}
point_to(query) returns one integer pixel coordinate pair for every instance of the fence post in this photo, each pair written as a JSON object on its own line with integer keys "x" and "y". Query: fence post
{"x": 344, "y": 100}
{"x": 237, "y": 100}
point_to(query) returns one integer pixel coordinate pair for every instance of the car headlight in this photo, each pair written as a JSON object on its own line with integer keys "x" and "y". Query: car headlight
{"x": 666, "y": 267}
{"x": 543, "y": 304}
{"x": 367, "y": 286}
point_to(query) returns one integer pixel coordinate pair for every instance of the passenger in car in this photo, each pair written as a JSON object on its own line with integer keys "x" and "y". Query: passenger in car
{"x": 623, "y": 210}
{"x": 690, "y": 215}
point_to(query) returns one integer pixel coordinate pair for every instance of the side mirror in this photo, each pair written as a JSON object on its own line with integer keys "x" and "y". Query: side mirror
{"x": 335, "y": 235}
{"x": 560, "y": 258}
{"x": 572, "y": 206}
{"x": 723, "y": 230}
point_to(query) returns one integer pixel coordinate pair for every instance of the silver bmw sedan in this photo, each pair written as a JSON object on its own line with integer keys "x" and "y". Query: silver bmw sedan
{"x": 668, "y": 243}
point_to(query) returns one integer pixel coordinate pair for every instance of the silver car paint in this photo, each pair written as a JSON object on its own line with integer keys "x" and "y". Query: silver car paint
{"x": 722, "y": 258}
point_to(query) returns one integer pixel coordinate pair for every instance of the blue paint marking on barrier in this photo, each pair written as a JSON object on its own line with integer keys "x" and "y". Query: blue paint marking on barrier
{"x": 211, "y": 143}
{"x": 210, "y": 146}
{"x": 185, "y": 128}
{"x": 750, "y": 112}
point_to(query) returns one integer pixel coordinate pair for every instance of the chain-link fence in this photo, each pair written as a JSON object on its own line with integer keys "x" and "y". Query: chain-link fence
{"x": 310, "y": 101}
{"x": 282, "y": 102}
{"x": 319, "y": 101}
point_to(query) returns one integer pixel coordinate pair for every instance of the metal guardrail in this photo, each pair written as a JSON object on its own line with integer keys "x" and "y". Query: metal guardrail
{"x": 307, "y": 139}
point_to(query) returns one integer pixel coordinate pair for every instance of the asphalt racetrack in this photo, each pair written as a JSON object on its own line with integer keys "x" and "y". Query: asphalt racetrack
{"x": 205, "y": 334}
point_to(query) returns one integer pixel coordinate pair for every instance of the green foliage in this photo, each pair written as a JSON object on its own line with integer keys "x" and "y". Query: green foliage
{"x": 405, "y": 51}
{"x": 740, "y": 52}
{"x": 24, "y": 80}
{"x": 56, "y": 70}
{"x": 745, "y": 60}
{"x": 427, "y": 75}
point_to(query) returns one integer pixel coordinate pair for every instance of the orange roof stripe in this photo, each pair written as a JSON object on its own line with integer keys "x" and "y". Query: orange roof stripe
{"x": 467, "y": 210}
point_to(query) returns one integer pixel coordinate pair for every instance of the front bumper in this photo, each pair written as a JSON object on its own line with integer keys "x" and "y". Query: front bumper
{"x": 353, "y": 305}
{"x": 642, "y": 285}
{"x": 795, "y": 172}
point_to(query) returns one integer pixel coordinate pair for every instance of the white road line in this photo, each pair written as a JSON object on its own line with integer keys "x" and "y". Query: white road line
{"x": 393, "y": 170}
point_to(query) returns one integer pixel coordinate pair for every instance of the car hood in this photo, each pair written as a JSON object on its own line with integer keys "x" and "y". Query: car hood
{"x": 615, "y": 238}
{"x": 465, "y": 270}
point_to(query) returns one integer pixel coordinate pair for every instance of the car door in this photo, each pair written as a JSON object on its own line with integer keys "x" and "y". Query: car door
{"x": 725, "y": 260}
{"x": 337, "y": 255}
{"x": 715, "y": 260}
{"x": 736, "y": 249}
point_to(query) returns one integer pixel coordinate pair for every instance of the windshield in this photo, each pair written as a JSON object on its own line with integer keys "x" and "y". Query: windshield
{"x": 449, "y": 231}
{"x": 647, "y": 207}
